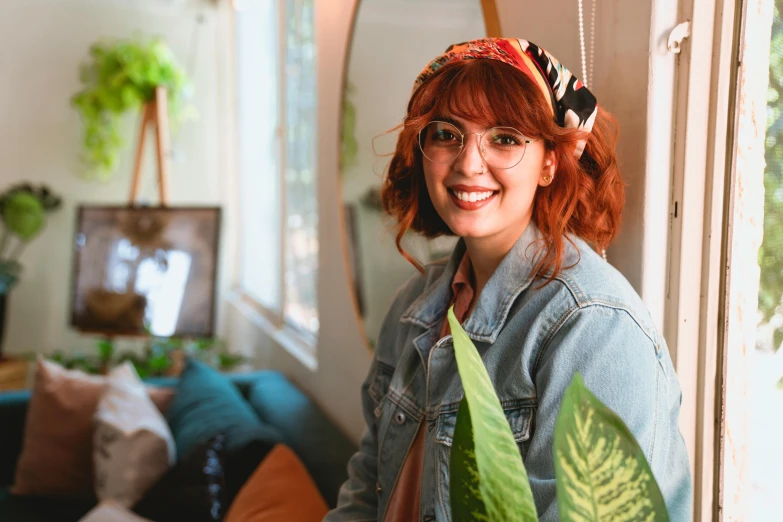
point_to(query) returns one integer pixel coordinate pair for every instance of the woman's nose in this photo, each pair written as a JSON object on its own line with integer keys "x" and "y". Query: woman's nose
{"x": 470, "y": 161}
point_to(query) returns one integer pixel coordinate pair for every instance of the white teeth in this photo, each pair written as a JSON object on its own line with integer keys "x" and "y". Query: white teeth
{"x": 472, "y": 196}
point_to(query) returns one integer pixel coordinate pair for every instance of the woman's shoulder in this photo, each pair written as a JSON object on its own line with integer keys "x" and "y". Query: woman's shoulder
{"x": 418, "y": 284}
{"x": 589, "y": 280}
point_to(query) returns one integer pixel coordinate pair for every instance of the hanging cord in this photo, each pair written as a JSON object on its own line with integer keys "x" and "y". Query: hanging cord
{"x": 592, "y": 40}
{"x": 190, "y": 67}
{"x": 588, "y": 66}
{"x": 582, "y": 43}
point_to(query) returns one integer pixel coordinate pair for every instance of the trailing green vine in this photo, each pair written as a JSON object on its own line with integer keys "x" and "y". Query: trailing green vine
{"x": 119, "y": 77}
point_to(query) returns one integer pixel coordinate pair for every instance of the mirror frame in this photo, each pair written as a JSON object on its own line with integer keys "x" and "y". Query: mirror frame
{"x": 492, "y": 28}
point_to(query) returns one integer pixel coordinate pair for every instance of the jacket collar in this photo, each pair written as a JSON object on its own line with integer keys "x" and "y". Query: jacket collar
{"x": 512, "y": 276}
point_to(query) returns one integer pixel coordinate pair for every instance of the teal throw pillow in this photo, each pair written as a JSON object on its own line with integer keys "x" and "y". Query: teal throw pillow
{"x": 206, "y": 404}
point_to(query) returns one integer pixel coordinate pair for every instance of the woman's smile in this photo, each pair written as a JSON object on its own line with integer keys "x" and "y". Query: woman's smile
{"x": 471, "y": 197}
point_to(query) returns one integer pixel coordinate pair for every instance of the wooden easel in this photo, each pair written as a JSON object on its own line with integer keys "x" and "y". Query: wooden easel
{"x": 155, "y": 112}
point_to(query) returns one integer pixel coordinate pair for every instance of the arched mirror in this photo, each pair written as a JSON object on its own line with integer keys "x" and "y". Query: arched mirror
{"x": 392, "y": 42}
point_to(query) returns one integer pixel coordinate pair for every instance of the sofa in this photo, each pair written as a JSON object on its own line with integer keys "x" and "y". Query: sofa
{"x": 320, "y": 446}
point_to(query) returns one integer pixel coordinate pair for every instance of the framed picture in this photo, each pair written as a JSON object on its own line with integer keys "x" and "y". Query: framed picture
{"x": 145, "y": 270}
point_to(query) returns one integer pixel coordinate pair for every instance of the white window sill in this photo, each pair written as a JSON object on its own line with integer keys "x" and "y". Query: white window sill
{"x": 283, "y": 335}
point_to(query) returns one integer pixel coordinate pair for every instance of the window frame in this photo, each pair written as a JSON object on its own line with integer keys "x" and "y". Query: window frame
{"x": 701, "y": 193}
{"x": 272, "y": 321}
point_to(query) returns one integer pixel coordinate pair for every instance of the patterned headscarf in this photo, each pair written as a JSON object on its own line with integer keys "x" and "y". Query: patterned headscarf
{"x": 572, "y": 105}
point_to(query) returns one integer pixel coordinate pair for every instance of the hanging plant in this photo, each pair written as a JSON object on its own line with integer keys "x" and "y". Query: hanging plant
{"x": 119, "y": 77}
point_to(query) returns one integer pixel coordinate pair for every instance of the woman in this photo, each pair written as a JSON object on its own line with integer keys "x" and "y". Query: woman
{"x": 505, "y": 148}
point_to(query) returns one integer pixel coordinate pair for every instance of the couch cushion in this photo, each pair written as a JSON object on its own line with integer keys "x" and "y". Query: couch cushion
{"x": 206, "y": 404}
{"x": 58, "y": 462}
{"x": 36, "y": 509}
{"x": 241, "y": 464}
{"x": 111, "y": 511}
{"x": 13, "y": 410}
{"x": 133, "y": 445}
{"x": 322, "y": 448}
{"x": 279, "y": 489}
{"x": 193, "y": 490}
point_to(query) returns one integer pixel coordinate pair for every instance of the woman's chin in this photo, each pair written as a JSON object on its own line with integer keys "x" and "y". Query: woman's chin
{"x": 470, "y": 231}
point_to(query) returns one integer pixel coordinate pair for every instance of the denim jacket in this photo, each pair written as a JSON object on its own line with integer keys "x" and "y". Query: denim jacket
{"x": 532, "y": 338}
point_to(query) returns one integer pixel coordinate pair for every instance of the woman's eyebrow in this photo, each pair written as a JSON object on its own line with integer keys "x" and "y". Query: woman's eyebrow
{"x": 447, "y": 119}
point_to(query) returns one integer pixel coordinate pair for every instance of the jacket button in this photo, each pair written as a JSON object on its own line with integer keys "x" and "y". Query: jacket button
{"x": 399, "y": 418}
{"x": 377, "y": 487}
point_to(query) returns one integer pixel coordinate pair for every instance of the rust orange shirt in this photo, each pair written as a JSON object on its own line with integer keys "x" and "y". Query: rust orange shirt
{"x": 405, "y": 500}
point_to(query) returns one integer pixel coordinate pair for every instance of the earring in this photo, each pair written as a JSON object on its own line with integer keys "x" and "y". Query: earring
{"x": 547, "y": 179}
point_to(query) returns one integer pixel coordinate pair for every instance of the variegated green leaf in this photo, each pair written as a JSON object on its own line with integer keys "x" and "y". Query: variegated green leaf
{"x": 600, "y": 470}
{"x": 502, "y": 480}
{"x": 467, "y": 504}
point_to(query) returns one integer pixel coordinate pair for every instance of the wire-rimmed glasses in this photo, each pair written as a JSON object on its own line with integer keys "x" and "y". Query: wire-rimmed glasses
{"x": 501, "y": 147}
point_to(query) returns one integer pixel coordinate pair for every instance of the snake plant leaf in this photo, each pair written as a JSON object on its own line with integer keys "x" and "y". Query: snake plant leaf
{"x": 501, "y": 479}
{"x": 601, "y": 472}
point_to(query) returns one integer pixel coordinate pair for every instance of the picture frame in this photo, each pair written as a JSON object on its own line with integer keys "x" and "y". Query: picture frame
{"x": 140, "y": 271}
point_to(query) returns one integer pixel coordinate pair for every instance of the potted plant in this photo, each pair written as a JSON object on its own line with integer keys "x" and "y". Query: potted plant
{"x": 161, "y": 356}
{"x": 23, "y": 210}
{"x": 122, "y": 76}
{"x": 597, "y": 459}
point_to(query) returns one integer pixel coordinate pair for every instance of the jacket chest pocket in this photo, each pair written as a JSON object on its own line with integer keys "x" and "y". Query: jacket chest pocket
{"x": 519, "y": 420}
{"x": 379, "y": 386}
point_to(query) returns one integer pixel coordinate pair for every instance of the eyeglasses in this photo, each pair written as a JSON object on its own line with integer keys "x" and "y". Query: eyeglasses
{"x": 501, "y": 147}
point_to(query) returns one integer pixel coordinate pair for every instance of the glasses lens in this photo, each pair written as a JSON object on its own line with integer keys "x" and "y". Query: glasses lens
{"x": 440, "y": 142}
{"x": 503, "y": 147}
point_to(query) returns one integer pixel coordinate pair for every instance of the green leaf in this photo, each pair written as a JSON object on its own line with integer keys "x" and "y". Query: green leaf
{"x": 105, "y": 350}
{"x": 24, "y": 215}
{"x": 467, "y": 504}
{"x": 119, "y": 77}
{"x": 502, "y": 480}
{"x": 601, "y": 472}
{"x": 227, "y": 361}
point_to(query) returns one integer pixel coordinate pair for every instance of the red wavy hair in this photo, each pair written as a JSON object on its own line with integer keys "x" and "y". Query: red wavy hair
{"x": 586, "y": 196}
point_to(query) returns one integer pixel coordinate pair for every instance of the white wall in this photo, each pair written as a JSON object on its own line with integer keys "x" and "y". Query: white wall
{"x": 633, "y": 78}
{"x": 43, "y": 42}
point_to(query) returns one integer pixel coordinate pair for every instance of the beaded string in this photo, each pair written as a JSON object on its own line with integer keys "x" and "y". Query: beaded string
{"x": 587, "y": 67}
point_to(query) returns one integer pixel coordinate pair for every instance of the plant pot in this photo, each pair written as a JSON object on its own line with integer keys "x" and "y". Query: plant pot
{"x": 9, "y": 275}
{"x": 3, "y": 299}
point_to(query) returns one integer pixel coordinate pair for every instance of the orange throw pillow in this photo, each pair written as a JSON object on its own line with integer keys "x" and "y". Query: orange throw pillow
{"x": 279, "y": 490}
{"x": 56, "y": 459}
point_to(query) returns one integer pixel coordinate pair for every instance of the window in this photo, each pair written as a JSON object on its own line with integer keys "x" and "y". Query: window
{"x": 764, "y": 362}
{"x": 752, "y": 478}
{"x": 276, "y": 112}
{"x": 301, "y": 227}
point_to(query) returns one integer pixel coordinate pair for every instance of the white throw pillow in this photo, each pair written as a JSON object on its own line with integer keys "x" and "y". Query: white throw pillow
{"x": 133, "y": 446}
{"x": 110, "y": 511}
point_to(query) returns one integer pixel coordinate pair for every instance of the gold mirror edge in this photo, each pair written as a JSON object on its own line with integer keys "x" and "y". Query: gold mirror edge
{"x": 491, "y": 18}
{"x": 340, "y": 199}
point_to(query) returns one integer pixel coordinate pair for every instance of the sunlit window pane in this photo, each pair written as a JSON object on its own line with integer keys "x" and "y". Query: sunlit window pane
{"x": 301, "y": 221}
{"x": 765, "y": 364}
{"x": 259, "y": 158}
